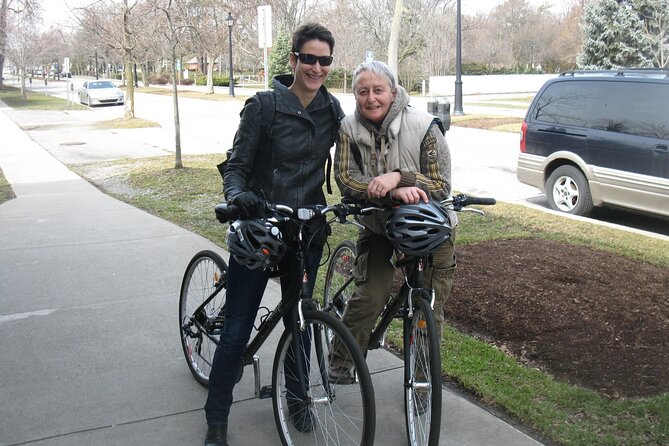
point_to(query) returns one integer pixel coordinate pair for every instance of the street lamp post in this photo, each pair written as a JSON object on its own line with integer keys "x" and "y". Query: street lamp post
{"x": 231, "y": 82}
{"x": 457, "y": 108}
{"x": 96, "y": 62}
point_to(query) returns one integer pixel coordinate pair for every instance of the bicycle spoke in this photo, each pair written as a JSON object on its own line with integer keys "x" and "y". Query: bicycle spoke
{"x": 199, "y": 336}
{"x": 338, "y": 414}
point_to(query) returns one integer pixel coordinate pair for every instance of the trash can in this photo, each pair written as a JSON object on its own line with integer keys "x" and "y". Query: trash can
{"x": 441, "y": 108}
{"x": 432, "y": 106}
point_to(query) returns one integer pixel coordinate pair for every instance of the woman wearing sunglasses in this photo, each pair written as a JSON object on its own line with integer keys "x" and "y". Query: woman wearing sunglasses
{"x": 282, "y": 162}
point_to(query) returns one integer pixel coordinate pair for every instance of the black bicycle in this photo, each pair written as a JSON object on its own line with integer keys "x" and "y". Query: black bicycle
{"x": 413, "y": 304}
{"x": 342, "y": 413}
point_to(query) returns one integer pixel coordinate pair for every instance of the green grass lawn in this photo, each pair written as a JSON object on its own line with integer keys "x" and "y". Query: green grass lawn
{"x": 6, "y": 192}
{"x": 35, "y": 100}
{"x": 563, "y": 413}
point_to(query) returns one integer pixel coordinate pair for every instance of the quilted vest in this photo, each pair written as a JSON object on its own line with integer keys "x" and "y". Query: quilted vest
{"x": 400, "y": 148}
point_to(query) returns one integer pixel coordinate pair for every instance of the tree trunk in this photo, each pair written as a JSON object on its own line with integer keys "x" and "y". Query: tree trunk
{"x": 175, "y": 101}
{"x": 127, "y": 67}
{"x": 22, "y": 72}
{"x": 145, "y": 74}
{"x": 210, "y": 76}
{"x": 393, "y": 44}
{"x": 3, "y": 36}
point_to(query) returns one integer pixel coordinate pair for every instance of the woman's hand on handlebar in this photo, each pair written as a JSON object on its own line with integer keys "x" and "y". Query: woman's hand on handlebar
{"x": 249, "y": 204}
{"x": 409, "y": 195}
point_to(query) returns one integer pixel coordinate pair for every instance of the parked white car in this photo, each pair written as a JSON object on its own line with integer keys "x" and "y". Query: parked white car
{"x": 100, "y": 92}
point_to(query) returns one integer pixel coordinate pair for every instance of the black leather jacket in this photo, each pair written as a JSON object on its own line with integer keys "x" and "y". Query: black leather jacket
{"x": 290, "y": 169}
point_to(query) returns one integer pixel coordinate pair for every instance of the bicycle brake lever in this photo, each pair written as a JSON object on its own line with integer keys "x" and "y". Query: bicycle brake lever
{"x": 355, "y": 223}
{"x": 476, "y": 211}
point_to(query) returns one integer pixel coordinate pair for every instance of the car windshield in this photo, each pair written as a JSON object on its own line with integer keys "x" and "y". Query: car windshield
{"x": 104, "y": 84}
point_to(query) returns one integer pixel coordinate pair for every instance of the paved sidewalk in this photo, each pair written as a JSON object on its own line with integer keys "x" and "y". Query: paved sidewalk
{"x": 88, "y": 320}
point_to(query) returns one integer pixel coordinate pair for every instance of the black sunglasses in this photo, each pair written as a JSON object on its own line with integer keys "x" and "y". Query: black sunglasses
{"x": 310, "y": 59}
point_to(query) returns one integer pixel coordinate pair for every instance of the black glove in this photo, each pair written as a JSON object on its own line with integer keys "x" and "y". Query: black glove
{"x": 249, "y": 204}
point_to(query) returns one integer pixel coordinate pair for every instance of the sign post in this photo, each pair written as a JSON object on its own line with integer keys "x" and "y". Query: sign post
{"x": 66, "y": 71}
{"x": 265, "y": 36}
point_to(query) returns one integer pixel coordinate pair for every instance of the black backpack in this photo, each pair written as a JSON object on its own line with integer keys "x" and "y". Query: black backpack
{"x": 267, "y": 114}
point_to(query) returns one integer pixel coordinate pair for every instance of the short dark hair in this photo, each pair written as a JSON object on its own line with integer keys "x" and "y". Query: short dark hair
{"x": 311, "y": 31}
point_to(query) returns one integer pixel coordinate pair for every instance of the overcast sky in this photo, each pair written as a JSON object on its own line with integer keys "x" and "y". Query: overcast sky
{"x": 56, "y": 11}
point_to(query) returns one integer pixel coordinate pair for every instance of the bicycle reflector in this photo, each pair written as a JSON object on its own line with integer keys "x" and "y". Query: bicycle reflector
{"x": 256, "y": 243}
{"x": 418, "y": 229}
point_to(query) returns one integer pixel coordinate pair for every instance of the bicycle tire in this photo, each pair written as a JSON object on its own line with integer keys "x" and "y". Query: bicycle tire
{"x": 339, "y": 285}
{"x": 203, "y": 275}
{"x": 340, "y": 413}
{"x": 422, "y": 391}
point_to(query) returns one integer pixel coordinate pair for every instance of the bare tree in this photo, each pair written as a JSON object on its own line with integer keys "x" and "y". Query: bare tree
{"x": 350, "y": 41}
{"x": 26, "y": 49}
{"x": 211, "y": 31}
{"x": 19, "y": 11}
{"x": 655, "y": 14}
{"x": 102, "y": 21}
{"x": 174, "y": 13}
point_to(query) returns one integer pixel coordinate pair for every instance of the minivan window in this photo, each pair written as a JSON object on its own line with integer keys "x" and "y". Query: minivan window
{"x": 635, "y": 108}
{"x": 566, "y": 103}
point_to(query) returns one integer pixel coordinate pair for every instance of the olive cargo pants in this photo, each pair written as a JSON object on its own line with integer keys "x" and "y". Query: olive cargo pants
{"x": 374, "y": 271}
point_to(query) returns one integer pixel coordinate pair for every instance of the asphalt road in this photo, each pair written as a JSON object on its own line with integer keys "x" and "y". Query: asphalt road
{"x": 484, "y": 162}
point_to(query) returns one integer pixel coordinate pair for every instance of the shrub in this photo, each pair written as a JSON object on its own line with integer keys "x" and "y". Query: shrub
{"x": 188, "y": 81}
{"x": 219, "y": 81}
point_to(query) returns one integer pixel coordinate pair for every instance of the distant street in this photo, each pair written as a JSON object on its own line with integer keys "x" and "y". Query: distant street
{"x": 484, "y": 162}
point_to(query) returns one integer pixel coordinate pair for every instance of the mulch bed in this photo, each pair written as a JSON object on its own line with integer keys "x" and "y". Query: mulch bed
{"x": 586, "y": 316}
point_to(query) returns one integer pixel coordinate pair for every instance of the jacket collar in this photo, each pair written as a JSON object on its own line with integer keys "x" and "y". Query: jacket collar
{"x": 286, "y": 101}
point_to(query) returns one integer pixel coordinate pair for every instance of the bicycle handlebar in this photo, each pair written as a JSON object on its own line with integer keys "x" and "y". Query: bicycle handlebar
{"x": 461, "y": 201}
{"x": 229, "y": 212}
{"x": 456, "y": 203}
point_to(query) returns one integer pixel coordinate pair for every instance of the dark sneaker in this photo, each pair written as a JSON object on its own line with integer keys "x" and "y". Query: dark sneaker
{"x": 340, "y": 375}
{"x": 301, "y": 416}
{"x": 217, "y": 435}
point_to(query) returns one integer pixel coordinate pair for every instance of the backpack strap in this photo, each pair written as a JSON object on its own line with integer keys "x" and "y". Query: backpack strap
{"x": 267, "y": 115}
{"x": 336, "y": 119}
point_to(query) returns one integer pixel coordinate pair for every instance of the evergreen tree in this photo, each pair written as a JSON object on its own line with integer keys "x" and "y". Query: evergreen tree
{"x": 613, "y": 37}
{"x": 655, "y": 16}
{"x": 279, "y": 58}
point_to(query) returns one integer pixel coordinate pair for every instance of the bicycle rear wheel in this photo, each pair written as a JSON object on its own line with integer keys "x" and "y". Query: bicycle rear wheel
{"x": 422, "y": 371}
{"x": 339, "y": 284}
{"x": 205, "y": 274}
{"x": 323, "y": 412}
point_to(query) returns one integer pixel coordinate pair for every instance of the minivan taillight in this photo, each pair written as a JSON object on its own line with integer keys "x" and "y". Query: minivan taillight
{"x": 523, "y": 135}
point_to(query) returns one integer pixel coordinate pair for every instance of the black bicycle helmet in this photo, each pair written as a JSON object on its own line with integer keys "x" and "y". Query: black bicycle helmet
{"x": 256, "y": 243}
{"x": 418, "y": 229}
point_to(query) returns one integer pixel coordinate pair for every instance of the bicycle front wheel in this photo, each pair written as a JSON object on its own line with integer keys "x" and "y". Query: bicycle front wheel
{"x": 422, "y": 371}
{"x": 339, "y": 284}
{"x": 318, "y": 410}
{"x": 204, "y": 280}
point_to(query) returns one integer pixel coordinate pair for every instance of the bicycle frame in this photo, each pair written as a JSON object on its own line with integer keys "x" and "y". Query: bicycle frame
{"x": 267, "y": 324}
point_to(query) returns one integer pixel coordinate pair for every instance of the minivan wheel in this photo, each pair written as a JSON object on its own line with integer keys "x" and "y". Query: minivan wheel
{"x": 568, "y": 191}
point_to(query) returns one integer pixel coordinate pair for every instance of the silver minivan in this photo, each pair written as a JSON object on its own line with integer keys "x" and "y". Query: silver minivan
{"x": 599, "y": 138}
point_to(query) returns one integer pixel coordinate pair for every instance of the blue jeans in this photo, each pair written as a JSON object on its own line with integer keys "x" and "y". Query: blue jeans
{"x": 245, "y": 289}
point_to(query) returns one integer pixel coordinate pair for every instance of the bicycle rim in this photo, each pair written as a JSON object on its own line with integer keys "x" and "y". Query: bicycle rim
{"x": 422, "y": 392}
{"x": 339, "y": 413}
{"x": 338, "y": 284}
{"x": 203, "y": 274}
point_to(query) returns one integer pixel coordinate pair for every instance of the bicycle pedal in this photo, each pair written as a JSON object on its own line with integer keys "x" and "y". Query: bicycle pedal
{"x": 265, "y": 392}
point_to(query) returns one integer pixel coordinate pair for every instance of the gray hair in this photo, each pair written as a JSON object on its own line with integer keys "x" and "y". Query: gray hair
{"x": 376, "y": 67}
